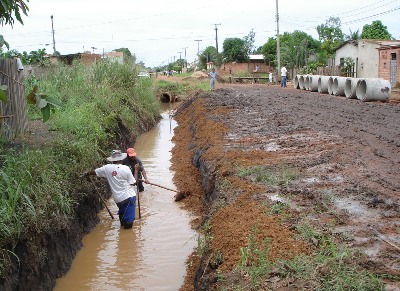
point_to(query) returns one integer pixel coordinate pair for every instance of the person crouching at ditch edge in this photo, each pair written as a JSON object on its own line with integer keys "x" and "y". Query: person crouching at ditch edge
{"x": 121, "y": 181}
{"x": 133, "y": 162}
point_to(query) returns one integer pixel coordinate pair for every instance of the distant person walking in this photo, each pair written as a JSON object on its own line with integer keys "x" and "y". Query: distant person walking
{"x": 283, "y": 75}
{"x": 213, "y": 78}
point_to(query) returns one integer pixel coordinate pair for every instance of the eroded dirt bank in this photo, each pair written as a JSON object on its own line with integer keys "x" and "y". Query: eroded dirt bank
{"x": 335, "y": 162}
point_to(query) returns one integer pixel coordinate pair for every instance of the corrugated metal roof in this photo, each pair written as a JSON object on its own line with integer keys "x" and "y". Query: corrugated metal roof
{"x": 256, "y": 57}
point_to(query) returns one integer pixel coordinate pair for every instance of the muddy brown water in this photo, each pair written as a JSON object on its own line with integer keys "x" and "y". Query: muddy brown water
{"x": 152, "y": 255}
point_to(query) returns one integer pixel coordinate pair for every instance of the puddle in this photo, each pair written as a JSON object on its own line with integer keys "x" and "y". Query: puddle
{"x": 351, "y": 206}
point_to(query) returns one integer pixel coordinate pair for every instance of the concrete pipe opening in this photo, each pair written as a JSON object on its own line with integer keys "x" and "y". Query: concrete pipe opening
{"x": 313, "y": 83}
{"x": 302, "y": 82}
{"x": 338, "y": 86}
{"x": 166, "y": 97}
{"x": 307, "y": 82}
{"x": 330, "y": 84}
{"x": 373, "y": 90}
{"x": 323, "y": 84}
{"x": 296, "y": 82}
{"x": 350, "y": 87}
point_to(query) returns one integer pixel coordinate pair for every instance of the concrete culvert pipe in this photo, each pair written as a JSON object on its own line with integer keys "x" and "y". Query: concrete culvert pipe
{"x": 302, "y": 84}
{"x": 330, "y": 84}
{"x": 307, "y": 82}
{"x": 338, "y": 86}
{"x": 323, "y": 84}
{"x": 166, "y": 97}
{"x": 350, "y": 87}
{"x": 296, "y": 82}
{"x": 313, "y": 83}
{"x": 373, "y": 89}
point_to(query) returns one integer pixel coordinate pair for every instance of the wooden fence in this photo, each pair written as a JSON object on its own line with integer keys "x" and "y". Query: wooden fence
{"x": 13, "y": 113}
{"x": 332, "y": 71}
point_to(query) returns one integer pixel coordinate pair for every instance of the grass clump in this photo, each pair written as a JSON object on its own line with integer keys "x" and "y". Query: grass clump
{"x": 272, "y": 176}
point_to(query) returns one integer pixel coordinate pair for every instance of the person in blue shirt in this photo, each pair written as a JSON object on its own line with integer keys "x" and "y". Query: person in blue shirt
{"x": 213, "y": 75}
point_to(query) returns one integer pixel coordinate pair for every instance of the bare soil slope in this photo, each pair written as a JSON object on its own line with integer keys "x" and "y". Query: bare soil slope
{"x": 345, "y": 155}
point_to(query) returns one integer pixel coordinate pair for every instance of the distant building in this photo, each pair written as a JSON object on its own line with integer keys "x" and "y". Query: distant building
{"x": 85, "y": 58}
{"x": 366, "y": 56}
{"x": 255, "y": 61}
{"x": 114, "y": 56}
{"x": 389, "y": 63}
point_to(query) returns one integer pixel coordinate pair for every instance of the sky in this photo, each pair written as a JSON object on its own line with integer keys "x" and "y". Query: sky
{"x": 159, "y": 32}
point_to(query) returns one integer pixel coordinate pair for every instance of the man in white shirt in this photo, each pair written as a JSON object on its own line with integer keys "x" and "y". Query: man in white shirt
{"x": 121, "y": 181}
{"x": 283, "y": 75}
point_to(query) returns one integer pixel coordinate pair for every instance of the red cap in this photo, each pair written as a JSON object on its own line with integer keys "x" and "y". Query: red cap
{"x": 131, "y": 152}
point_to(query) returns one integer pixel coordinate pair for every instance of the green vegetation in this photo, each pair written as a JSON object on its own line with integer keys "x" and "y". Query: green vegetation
{"x": 375, "y": 30}
{"x": 204, "y": 239}
{"x": 181, "y": 88}
{"x": 270, "y": 175}
{"x": 330, "y": 267}
{"x": 38, "y": 184}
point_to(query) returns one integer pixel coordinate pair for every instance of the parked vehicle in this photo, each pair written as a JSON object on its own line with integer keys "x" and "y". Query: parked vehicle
{"x": 143, "y": 74}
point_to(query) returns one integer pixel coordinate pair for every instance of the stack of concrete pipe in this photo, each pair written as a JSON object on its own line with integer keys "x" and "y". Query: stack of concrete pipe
{"x": 364, "y": 89}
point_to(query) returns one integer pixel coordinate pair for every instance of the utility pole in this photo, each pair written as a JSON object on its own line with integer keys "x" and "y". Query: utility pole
{"x": 54, "y": 40}
{"x": 278, "y": 48}
{"x": 180, "y": 59}
{"x": 185, "y": 57}
{"x": 198, "y": 50}
{"x": 216, "y": 40}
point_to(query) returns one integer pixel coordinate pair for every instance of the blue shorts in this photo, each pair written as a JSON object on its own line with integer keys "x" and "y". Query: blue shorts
{"x": 126, "y": 211}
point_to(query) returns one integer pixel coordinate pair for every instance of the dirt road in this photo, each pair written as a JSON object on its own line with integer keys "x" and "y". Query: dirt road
{"x": 336, "y": 163}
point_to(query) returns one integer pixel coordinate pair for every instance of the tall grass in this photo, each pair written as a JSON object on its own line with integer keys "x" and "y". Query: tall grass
{"x": 38, "y": 187}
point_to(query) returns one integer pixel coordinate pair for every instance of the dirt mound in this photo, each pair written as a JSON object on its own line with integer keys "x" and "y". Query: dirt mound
{"x": 199, "y": 75}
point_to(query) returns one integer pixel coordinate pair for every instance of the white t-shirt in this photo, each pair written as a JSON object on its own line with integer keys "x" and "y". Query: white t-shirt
{"x": 120, "y": 179}
{"x": 283, "y": 72}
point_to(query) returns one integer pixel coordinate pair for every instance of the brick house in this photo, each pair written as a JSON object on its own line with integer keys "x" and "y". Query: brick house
{"x": 389, "y": 63}
{"x": 250, "y": 66}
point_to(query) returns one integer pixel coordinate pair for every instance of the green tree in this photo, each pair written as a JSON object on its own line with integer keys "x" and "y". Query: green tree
{"x": 330, "y": 35}
{"x": 269, "y": 52}
{"x": 128, "y": 57}
{"x": 376, "y": 30}
{"x": 353, "y": 35}
{"x": 297, "y": 47}
{"x": 249, "y": 41}
{"x": 37, "y": 58}
{"x": 235, "y": 50}
{"x": 209, "y": 54}
{"x": 10, "y": 9}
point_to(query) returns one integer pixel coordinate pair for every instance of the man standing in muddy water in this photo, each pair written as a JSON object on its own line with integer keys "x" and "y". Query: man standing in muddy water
{"x": 132, "y": 161}
{"x": 121, "y": 181}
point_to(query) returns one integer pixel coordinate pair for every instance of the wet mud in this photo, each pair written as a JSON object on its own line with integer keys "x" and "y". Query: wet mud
{"x": 343, "y": 157}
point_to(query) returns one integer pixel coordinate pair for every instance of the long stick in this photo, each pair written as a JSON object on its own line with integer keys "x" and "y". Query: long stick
{"x": 164, "y": 187}
{"x": 101, "y": 198}
{"x": 138, "y": 200}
